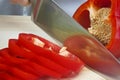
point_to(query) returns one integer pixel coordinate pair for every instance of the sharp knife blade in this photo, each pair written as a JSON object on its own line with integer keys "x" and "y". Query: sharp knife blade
{"x": 59, "y": 25}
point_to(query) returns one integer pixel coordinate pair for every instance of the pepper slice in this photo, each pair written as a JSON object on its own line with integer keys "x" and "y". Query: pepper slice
{"x": 13, "y": 65}
{"x": 16, "y": 50}
{"x": 52, "y": 52}
{"x": 104, "y": 16}
{"x": 7, "y": 76}
{"x": 20, "y": 63}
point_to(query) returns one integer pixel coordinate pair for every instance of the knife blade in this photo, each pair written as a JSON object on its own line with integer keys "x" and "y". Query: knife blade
{"x": 55, "y": 22}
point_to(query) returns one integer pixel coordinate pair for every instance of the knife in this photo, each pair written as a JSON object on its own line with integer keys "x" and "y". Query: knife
{"x": 55, "y": 22}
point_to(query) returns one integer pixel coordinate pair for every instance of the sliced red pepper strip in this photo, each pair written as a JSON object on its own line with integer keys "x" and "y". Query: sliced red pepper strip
{"x": 47, "y": 44}
{"x": 47, "y": 72}
{"x": 17, "y": 62}
{"x": 69, "y": 62}
{"x": 22, "y": 75}
{"x": 9, "y": 59}
{"x": 3, "y": 67}
{"x": 19, "y": 51}
{"x": 82, "y": 16}
{"x": 17, "y": 72}
{"x": 38, "y": 68}
{"x": 7, "y": 76}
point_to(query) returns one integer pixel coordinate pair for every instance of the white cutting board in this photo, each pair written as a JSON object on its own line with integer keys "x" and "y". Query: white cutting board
{"x": 11, "y": 26}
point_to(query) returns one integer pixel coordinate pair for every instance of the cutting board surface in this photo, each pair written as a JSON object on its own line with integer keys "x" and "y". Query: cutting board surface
{"x": 11, "y": 26}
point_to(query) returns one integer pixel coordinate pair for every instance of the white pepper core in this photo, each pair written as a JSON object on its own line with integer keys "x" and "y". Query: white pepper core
{"x": 101, "y": 27}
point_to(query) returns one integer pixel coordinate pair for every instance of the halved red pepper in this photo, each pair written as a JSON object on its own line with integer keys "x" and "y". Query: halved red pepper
{"x": 82, "y": 16}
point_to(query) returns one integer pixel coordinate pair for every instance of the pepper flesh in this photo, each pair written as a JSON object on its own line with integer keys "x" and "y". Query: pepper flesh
{"x": 89, "y": 9}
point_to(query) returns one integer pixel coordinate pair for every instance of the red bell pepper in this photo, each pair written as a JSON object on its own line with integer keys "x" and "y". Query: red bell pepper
{"x": 83, "y": 13}
{"x": 50, "y": 51}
